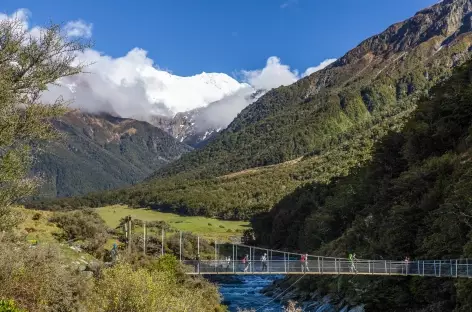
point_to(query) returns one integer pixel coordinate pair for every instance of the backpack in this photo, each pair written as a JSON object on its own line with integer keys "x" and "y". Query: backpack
{"x": 303, "y": 258}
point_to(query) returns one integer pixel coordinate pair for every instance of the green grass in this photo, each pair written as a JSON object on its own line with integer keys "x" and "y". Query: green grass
{"x": 202, "y": 226}
{"x": 42, "y": 231}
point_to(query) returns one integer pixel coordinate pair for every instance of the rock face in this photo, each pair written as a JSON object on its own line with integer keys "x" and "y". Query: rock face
{"x": 199, "y": 126}
{"x": 99, "y": 152}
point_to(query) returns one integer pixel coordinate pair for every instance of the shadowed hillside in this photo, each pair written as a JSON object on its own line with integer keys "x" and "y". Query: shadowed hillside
{"x": 100, "y": 152}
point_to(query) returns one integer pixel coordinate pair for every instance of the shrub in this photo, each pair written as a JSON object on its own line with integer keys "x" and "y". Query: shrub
{"x": 9, "y": 306}
{"x": 36, "y": 216}
{"x": 82, "y": 225}
{"x": 38, "y": 279}
{"x": 123, "y": 289}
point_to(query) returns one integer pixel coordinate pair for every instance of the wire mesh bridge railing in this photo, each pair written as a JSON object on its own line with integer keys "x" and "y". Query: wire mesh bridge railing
{"x": 228, "y": 260}
{"x": 332, "y": 266}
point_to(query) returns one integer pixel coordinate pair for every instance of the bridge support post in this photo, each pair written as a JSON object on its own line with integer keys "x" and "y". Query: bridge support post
{"x": 216, "y": 256}
{"x": 319, "y": 265}
{"x": 144, "y": 238}
{"x": 423, "y": 267}
{"x": 386, "y": 270}
{"x": 456, "y": 267}
{"x": 180, "y": 246}
{"x": 369, "y": 265}
{"x": 236, "y": 254}
{"x": 162, "y": 242}
{"x": 285, "y": 263}
{"x": 251, "y": 260}
{"x": 418, "y": 263}
{"x": 232, "y": 256}
{"x": 130, "y": 241}
{"x": 435, "y": 274}
{"x": 288, "y": 262}
{"x": 439, "y": 268}
{"x": 467, "y": 266}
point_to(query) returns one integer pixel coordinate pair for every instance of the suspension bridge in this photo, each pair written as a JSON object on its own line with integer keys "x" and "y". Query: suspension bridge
{"x": 239, "y": 259}
{"x": 276, "y": 262}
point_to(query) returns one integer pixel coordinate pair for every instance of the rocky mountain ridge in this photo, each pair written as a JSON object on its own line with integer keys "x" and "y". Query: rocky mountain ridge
{"x": 198, "y": 126}
{"x": 101, "y": 151}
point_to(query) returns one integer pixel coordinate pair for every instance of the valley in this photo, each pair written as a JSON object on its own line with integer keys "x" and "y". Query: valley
{"x": 369, "y": 154}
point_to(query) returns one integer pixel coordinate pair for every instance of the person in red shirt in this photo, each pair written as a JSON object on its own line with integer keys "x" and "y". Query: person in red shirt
{"x": 246, "y": 263}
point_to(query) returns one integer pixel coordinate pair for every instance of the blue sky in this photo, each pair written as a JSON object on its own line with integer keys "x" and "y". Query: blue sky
{"x": 191, "y": 36}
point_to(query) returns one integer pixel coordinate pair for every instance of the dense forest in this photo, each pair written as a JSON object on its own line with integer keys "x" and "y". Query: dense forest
{"x": 412, "y": 199}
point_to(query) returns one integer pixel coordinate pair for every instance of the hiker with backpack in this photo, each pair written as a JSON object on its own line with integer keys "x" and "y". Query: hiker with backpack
{"x": 352, "y": 259}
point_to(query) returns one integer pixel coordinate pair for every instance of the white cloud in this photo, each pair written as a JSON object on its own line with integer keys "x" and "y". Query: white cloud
{"x": 133, "y": 85}
{"x": 288, "y": 3}
{"x": 78, "y": 28}
{"x": 322, "y": 65}
{"x": 273, "y": 75}
{"x": 20, "y": 15}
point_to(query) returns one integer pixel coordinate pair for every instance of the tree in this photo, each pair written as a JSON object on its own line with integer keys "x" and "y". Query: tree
{"x": 29, "y": 62}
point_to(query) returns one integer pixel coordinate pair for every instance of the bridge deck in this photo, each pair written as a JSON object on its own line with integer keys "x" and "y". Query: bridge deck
{"x": 332, "y": 266}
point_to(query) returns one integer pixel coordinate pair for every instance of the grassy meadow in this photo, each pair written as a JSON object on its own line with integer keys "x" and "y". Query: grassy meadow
{"x": 205, "y": 227}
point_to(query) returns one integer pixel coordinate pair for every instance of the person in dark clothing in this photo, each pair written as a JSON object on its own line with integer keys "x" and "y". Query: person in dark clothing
{"x": 264, "y": 262}
{"x": 197, "y": 263}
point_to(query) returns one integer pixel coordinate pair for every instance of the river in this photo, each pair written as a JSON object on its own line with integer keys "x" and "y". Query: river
{"x": 243, "y": 292}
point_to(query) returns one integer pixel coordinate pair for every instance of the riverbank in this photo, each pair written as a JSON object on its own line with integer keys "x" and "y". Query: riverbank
{"x": 308, "y": 300}
{"x": 269, "y": 294}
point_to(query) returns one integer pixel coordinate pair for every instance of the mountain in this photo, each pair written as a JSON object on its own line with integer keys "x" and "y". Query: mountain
{"x": 314, "y": 131}
{"x": 380, "y": 74}
{"x": 412, "y": 199}
{"x": 99, "y": 152}
{"x": 198, "y": 126}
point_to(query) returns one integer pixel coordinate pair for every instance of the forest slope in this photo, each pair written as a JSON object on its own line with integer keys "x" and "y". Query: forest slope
{"x": 381, "y": 74}
{"x": 100, "y": 152}
{"x": 412, "y": 199}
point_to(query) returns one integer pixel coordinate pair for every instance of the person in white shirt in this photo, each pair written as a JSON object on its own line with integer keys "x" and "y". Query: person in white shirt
{"x": 264, "y": 262}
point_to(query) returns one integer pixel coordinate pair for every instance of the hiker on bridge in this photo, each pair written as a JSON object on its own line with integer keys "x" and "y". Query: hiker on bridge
{"x": 304, "y": 263}
{"x": 407, "y": 265}
{"x": 228, "y": 262}
{"x": 264, "y": 262}
{"x": 245, "y": 262}
{"x": 353, "y": 259}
